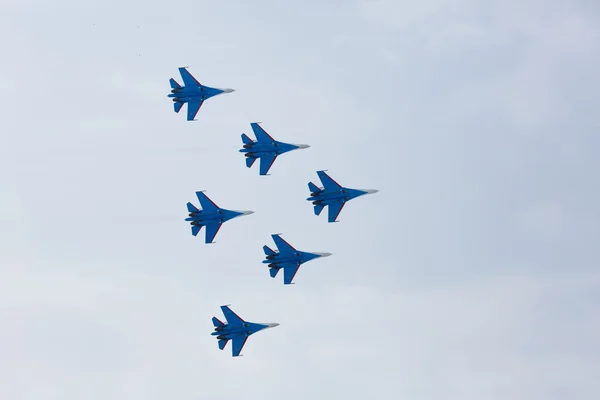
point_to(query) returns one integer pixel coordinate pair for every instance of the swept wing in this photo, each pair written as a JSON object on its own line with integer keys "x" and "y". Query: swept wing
{"x": 206, "y": 203}
{"x": 328, "y": 182}
{"x": 188, "y": 79}
{"x": 289, "y": 271}
{"x": 193, "y": 107}
{"x": 282, "y": 245}
{"x": 266, "y": 162}
{"x": 334, "y": 210}
{"x": 261, "y": 134}
{"x": 212, "y": 228}
{"x": 231, "y": 317}
{"x": 237, "y": 344}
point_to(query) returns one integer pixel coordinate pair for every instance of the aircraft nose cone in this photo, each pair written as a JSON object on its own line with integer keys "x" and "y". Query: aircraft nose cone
{"x": 371, "y": 191}
{"x": 228, "y": 90}
{"x": 324, "y": 254}
{"x": 303, "y": 146}
{"x": 247, "y": 212}
{"x": 272, "y": 325}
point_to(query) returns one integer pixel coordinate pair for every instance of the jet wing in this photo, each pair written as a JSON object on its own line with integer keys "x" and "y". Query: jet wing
{"x": 289, "y": 271}
{"x": 261, "y": 134}
{"x": 266, "y": 162}
{"x": 328, "y": 183}
{"x": 282, "y": 245}
{"x": 231, "y": 317}
{"x": 211, "y": 231}
{"x": 206, "y": 203}
{"x": 334, "y": 210}
{"x": 188, "y": 79}
{"x": 193, "y": 107}
{"x": 237, "y": 344}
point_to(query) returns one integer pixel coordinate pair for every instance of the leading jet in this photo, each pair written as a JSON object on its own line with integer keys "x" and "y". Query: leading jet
{"x": 288, "y": 258}
{"x": 192, "y": 93}
{"x": 211, "y": 216}
{"x": 265, "y": 148}
{"x": 332, "y": 194}
{"x": 236, "y": 329}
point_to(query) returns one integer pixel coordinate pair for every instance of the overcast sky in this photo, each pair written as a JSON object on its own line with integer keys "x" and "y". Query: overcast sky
{"x": 473, "y": 274}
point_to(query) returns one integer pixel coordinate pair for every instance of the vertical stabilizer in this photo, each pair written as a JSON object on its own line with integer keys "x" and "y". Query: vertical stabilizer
{"x": 246, "y": 139}
{"x": 174, "y": 84}
{"x": 250, "y": 161}
{"x": 268, "y": 251}
{"x": 313, "y": 188}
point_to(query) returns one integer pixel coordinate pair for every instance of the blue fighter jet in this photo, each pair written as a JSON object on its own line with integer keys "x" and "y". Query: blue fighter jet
{"x": 192, "y": 92}
{"x": 332, "y": 194}
{"x": 210, "y": 216}
{"x": 288, "y": 258}
{"x": 236, "y": 329}
{"x": 265, "y": 147}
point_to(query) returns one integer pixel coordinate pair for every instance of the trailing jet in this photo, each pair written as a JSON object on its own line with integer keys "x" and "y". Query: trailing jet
{"x": 236, "y": 329}
{"x": 265, "y": 147}
{"x": 332, "y": 194}
{"x": 211, "y": 216}
{"x": 192, "y": 92}
{"x": 288, "y": 258}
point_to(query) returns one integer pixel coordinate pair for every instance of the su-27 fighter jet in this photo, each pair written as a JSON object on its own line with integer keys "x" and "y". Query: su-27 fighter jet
{"x": 211, "y": 216}
{"x": 236, "y": 329}
{"x": 265, "y": 148}
{"x": 332, "y": 194}
{"x": 288, "y": 258}
{"x": 192, "y": 93}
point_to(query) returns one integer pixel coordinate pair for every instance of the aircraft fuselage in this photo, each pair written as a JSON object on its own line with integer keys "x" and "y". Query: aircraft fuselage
{"x": 189, "y": 93}
{"x": 204, "y": 217}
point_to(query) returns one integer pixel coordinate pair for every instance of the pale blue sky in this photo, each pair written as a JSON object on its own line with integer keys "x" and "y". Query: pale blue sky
{"x": 472, "y": 274}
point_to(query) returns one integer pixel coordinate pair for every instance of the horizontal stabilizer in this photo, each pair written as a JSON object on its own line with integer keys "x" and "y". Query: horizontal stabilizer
{"x": 192, "y": 208}
{"x": 177, "y": 106}
{"x": 174, "y": 84}
{"x": 313, "y": 188}
{"x": 250, "y": 161}
{"x": 217, "y": 322}
{"x": 268, "y": 251}
{"x": 196, "y": 229}
{"x": 222, "y": 343}
{"x": 273, "y": 272}
{"x": 246, "y": 139}
{"x": 318, "y": 209}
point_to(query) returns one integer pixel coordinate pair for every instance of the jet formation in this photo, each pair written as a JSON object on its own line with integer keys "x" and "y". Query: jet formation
{"x": 192, "y": 92}
{"x": 265, "y": 148}
{"x": 236, "y": 329}
{"x": 332, "y": 194}
{"x": 288, "y": 258}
